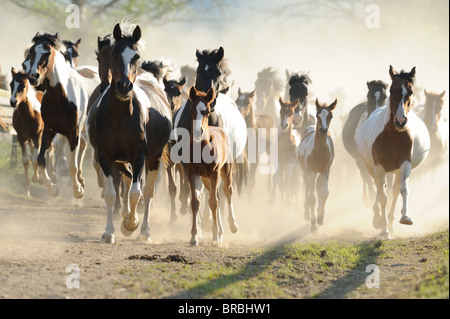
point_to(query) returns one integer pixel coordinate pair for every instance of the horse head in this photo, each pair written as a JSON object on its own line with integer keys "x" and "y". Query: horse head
{"x": 40, "y": 58}
{"x": 201, "y": 108}
{"x": 211, "y": 71}
{"x": 173, "y": 89}
{"x": 434, "y": 104}
{"x": 376, "y": 96}
{"x": 324, "y": 115}
{"x": 287, "y": 110}
{"x": 72, "y": 52}
{"x": 19, "y": 87}
{"x": 401, "y": 94}
{"x": 124, "y": 65}
{"x": 245, "y": 101}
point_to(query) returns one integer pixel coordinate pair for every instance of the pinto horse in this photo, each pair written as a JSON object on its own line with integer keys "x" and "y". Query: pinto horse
{"x": 27, "y": 120}
{"x": 129, "y": 130}
{"x": 316, "y": 154}
{"x": 376, "y": 97}
{"x": 63, "y": 105}
{"x": 215, "y": 163}
{"x": 393, "y": 140}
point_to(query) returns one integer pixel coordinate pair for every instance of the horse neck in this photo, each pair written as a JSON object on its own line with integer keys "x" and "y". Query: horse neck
{"x": 320, "y": 142}
{"x": 117, "y": 106}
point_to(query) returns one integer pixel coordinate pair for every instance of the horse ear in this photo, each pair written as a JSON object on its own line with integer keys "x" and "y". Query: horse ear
{"x": 281, "y": 101}
{"x": 332, "y": 106}
{"x": 239, "y": 91}
{"x": 182, "y": 83}
{"x": 137, "y": 34}
{"x": 442, "y": 94}
{"x": 413, "y": 71}
{"x": 317, "y": 103}
{"x": 295, "y": 104}
{"x": 78, "y": 42}
{"x": 288, "y": 75}
{"x": 210, "y": 95}
{"x": 117, "y": 32}
{"x": 56, "y": 35}
{"x": 192, "y": 93}
{"x": 98, "y": 40}
{"x": 368, "y": 83}
{"x": 198, "y": 54}
{"x": 220, "y": 54}
{"x": 13, "y": 71}
{"x": 392, "y": 72}
{"x": 425, "y": 92}
{"x": 252, "y": 93}
{"x": 37, "y": 34}
{"x": 165, "y": 80}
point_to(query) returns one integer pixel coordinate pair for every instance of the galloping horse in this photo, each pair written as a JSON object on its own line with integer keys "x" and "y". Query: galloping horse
{"x": 376, "y": 97}
{"x": 288, "y": 140}
{"x": 129, "y": 130}
{"x": 72, "y": 52}
{"x": 393, "y": 140}
{"x": 436, "y": 125}
{"x": 298, "y": 89}
{"x": 215, "y": 163}
{"x": 316, "y": 154}
{"x": 63, "y": 105}
{"x": 27, "y": 120}
{"x": 211, "y": 73}
{"x": 254, "y": 121}
{"x": 268, "y": 88}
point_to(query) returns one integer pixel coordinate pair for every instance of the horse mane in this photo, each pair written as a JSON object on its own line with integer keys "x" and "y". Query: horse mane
{"x": 268, "y": 75}
{"x": 52, "y": 39}
{"x": 159, "y": 68}
{"x": 127, "y": 28}
{"x": 223, "y": 64}
{"x": 378, "y": 83}
{"x": 300, "y": 77}
{"x": 406, "y": 76}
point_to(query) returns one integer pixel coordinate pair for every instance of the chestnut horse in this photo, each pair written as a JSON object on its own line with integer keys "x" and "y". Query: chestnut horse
{"x": 393, "y": 140}
{"x": 64, "y": 103}
{"x": 316, "y": 154}
{"x": 376, "y": 97}
{"x": 27, "y": 120}
{"x": 212, "y": 145}
{"x": 129, "y": 130}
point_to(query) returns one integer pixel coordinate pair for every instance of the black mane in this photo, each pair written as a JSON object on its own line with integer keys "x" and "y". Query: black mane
{"x": 410, "y": 77}
{"x": 157, "y": 68}
{"x": 300, "y": 78}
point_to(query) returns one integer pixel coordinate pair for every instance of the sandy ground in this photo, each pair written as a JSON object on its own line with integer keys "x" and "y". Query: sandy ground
{"x": 41, "y": 238}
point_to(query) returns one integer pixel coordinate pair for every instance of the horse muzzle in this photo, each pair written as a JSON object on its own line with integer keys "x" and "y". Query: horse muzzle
{"x": 323, "y": 131}
{"x": 124, "y": 87}
{"x": 34, "y": 79}
{"x": 400, "y": 124}
{"x": 13, "y": 102}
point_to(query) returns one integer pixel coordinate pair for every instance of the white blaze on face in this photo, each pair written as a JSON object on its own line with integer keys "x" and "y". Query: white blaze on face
{"x": 401, "y": 116}
{"x": 14, "y": 92}
{"x": 323, "y": 115}
{"x": 127, "y": 55}
{"x": 377, "y": 98}
{"x": 206, "y": 67}
{"x": 39, "y": 52}
{"x": 201, "y": 107}
{"x": 26, "y": 65}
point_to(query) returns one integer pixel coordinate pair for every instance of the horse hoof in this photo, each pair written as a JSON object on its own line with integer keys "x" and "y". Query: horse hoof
{"x": 79, "y": 193}
{"x": 194, "y": 242}
{"x": 108, "y": 238}
{"x": 405, "y": 220}
{"x": 320, "y": 220}
{"x": 234, "y": 228}
{"x": 145, "y": 238}
{"x": 126, "y": 229}
{"x": 54, "y": 192}
{"x": 385, "y": 235}
{"x": 184, "y": 210}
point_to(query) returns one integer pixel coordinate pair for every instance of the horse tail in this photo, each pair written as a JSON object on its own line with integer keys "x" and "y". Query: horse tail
{"x": 240, "y": 172}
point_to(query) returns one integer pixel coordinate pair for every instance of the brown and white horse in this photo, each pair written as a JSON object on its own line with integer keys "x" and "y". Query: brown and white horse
{"x": 129, "y": 130}
{"x": 393, "y": 140}
{"x": 27, "y": 120}
{"x": 211, "y": 159}
{"x": 316, "y": 154}
{"x": 255, "y": 121}
{"x": 64, "y": 103}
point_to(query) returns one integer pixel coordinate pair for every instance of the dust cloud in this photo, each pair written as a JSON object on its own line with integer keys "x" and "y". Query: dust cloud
{"x": 340, "y": 54}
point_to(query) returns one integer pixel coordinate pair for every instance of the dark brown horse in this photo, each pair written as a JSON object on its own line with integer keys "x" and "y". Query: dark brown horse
{"x": 27, "y": 121}
{"x": 130, "y": 130}
{"x": 215, "y": 162}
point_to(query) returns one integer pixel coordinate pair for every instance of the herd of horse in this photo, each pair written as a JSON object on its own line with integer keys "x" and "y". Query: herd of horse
{"x": 138, "y": 120}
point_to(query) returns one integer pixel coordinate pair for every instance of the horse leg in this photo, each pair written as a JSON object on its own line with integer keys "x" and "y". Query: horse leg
{"x": 228, "y": 191}
{"x": 275, "y": 180}
{"x": 206, "y": 217}
{"x": 110, "y": 198}
{"x": 380, "y": 182}
{"x": 172, "y": 193}
{"x": 81, "y": 153}
{"x": 184, "y": 190}
{"x": 395, "y": 193}
{"x": 35, "y": 151}
{"x": 196, "y": 192}
{"x": 25, "y": 162}
{"x": 131, "y": 222}
{"x": 405, "y": 172}
{"x": 289, "y": 189}
{"x": 323, "y": 192}
{"x": 149, "y": 191}
{"x": 311, "y": 199}
{"x": 100, "y": 181}
{"x": 78, "y": 190}
{"x": 117, "y": 182}
{"x": 47, "y": 137}
{"x": 126, "y": 194}
{"x": 213, "y": 205}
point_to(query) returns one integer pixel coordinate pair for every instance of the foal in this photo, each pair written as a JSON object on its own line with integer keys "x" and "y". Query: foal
{"x": 212, "y": 144}
{"x": 27, "y": 120}
{"x": 316, "y": 153}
